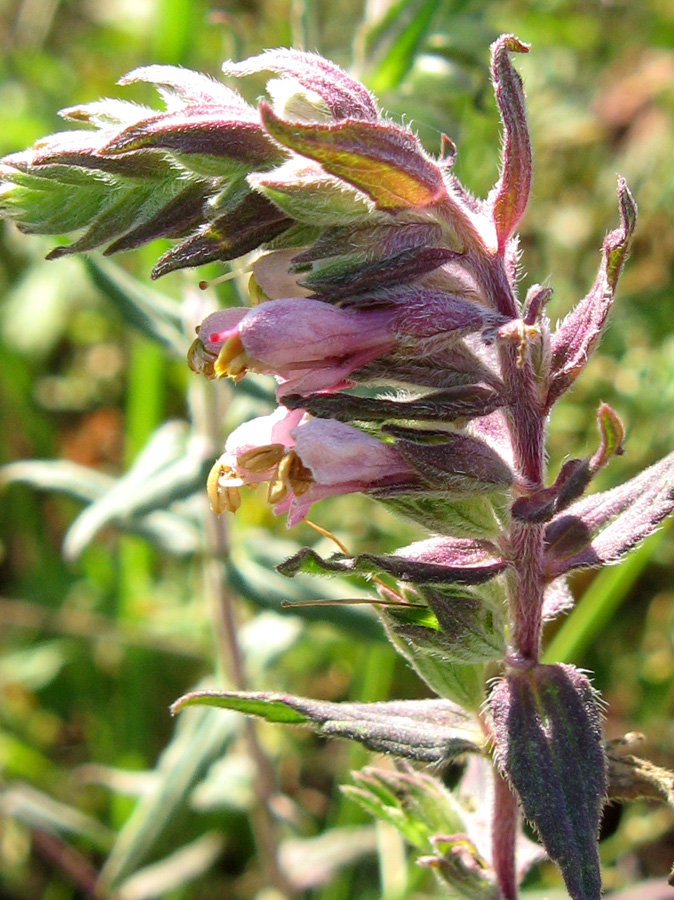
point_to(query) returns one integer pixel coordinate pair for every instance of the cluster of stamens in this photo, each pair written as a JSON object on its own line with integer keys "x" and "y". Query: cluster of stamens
{"x": 282, "y": 468}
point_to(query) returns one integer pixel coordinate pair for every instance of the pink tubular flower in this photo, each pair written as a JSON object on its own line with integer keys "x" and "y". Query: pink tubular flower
{"x": 309, "y": 345}
{"x": 303, "y": 460}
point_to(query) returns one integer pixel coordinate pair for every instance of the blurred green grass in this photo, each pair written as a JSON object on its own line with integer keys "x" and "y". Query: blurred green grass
{"x": 94, "y": 651}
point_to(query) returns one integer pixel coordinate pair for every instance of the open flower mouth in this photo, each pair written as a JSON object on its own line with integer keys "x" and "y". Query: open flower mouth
{"x": 275, "y": 464}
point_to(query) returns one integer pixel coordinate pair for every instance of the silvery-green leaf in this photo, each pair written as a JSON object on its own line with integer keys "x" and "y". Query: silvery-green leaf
{"x": 200, "y": 738}
{"x": 425, "y": 730}
{"x": 165, "y": 471}
{"x": 183, "y": 865}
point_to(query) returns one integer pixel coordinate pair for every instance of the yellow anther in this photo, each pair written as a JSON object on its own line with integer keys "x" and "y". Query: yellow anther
{"x": 255, "y": 292}
{"x": 299, "y": 476}
{"x": 278, "y": 487}
{"x": 222, "y": 497}
{"x": 259, "y": 459}
{"x": 232, "y": 359}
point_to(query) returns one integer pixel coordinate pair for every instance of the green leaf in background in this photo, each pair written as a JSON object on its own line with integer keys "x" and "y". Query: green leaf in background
{"x": 388, "y": 48}
{"x": 199, "y": 739}
{"x": 145, "y": 309}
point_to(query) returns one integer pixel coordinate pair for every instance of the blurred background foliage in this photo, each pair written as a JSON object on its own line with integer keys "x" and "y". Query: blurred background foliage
{"x": 94, "y": 775}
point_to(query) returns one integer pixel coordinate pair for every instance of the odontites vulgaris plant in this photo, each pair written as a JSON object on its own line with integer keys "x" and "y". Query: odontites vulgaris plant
{"x": 373, "y": 267}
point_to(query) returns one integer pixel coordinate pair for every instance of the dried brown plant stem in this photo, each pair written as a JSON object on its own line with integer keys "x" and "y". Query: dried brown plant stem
{"x": 206, "y": 399}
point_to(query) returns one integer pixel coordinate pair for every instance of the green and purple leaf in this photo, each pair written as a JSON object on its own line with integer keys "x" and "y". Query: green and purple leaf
{"x": 546, "y": 730}
{"x": 458, "y": 403}
{"x": 603, "y": 527}
{"x": 508, "y": 199}
{"x": 385, "y": 162}
{"x": 577, "y": 335}
{"x": 345, "y": 97}
{"x": 399, "y": 565}
{"x": 425, "y": 730}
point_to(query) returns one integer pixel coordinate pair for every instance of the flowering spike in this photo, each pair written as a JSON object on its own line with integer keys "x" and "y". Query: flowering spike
{"x": 509, "y": 198}
{"x": 379, "y": 273}
{"x": 385, "y": 162}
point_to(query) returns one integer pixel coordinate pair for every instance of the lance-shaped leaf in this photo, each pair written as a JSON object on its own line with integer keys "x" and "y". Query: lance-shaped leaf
{"x": 546, "y": 731}
{"x": 167, "y": 530}
{"x": 145, "y": 209}
{"x": 344, "y": 262}
{"x": 179, "y": 87}
{"x": 343, "y": 95}
{"x": 468, "y": 629}
{"x": 603, "y": 527}
{"x": 204, "y": 120}
{"x": 385, "y": 162}
{"x": 459, "y": 462}
{"x": 66, "y": 183}
{"x": 463, "y": 683}
{"x": 348, "y": 276}
{"x": 441, "y": 368}
{"x": 458, "y": 403}
{"x": 54, "y": 200}
{"x": 575, "y": 475}
{"x": 424, "y": 730}
{"x": 166, "y": 470}
{"x": 303, "y": 191}
{"x": 578, "y": 334}
{"x": 472, "y": 517}
{"x": 177, "y": 218}
{"x": 251, "y": 222}
{"x": 397, "y": 565}
{"x": 509, "y": 197}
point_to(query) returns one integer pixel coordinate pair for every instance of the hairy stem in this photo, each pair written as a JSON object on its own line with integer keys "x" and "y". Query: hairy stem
{"x": 504, "y": 834}
{"x": 527, "y": 426}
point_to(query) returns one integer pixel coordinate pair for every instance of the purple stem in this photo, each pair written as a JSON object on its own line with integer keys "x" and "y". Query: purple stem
{"x": 504, "y": 832}
{"x": 525, "y": 583}
{"x": 527, "y": 428}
